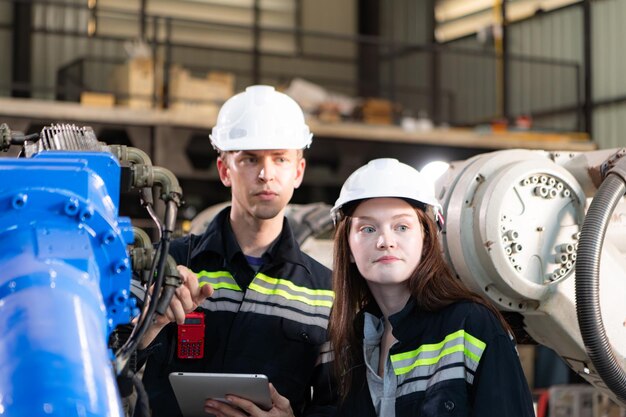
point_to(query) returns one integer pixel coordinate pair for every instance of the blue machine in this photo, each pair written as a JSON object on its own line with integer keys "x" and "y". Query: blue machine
{"x": 64, "y": 283}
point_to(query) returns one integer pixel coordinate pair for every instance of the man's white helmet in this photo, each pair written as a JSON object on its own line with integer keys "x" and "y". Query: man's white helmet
{"x": 260, "y": 118}
{"x": 388, "y": 177}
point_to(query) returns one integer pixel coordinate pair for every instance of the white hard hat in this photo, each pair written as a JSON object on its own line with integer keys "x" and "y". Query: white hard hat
{"x": 388, "y": 177}
{"x": 260, "y": 118}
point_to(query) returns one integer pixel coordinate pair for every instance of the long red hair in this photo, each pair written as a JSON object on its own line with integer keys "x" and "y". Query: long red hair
{"x": 432, "y": 285}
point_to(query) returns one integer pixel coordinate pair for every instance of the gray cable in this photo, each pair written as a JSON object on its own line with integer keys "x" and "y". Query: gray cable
{"x": 588, "y": 284}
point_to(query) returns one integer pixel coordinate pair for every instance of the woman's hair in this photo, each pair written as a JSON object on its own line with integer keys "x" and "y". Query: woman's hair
{"x": 432, "y": 284}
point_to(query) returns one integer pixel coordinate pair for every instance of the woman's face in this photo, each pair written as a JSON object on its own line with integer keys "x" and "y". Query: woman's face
{"x": 386, "y": 240}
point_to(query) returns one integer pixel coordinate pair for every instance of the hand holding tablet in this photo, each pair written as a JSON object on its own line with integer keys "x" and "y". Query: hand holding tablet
{"x": 193, "y": 389}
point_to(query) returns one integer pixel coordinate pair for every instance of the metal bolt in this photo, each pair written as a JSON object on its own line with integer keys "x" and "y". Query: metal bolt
{"x": 541, "y": 191}
{"x": 86, "y": 213}
{"x": 512, "y": 234}
{"x": 71, "y": 207}
{"x": 120, "y": 297}
{"x": 19, "y": 201}
{"x": 107, "y": 237}
{"x": 121, "y": 266}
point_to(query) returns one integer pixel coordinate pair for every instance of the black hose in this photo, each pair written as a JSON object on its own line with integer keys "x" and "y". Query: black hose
{"x": 123, "y": 354}
{"x": 142, "y": 406}
{"x": 164, "y": 301}
{"x": 588, "y": 285}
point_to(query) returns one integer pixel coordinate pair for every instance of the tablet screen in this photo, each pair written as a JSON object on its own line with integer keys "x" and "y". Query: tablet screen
{"x": 193, "y": 389}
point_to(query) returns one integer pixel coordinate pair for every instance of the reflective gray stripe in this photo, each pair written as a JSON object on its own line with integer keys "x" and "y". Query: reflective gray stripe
{"x": 428, "y": 370}
{"x": 296, "y": 305}
{"x": 227, "y": 295}
{"x": 279, "y": 311}
{"x": 451, "y": 352}
{"x": 428, "y": 354}
{"x": 223, "y": 299}
{"x": 218, "y": 280}
{"x": 457, "y": 372}
{"x": 455, "y": 344}
{"x": 286, "y": 289}
{"x": 326, "y": 354}
{"x": 221, "y": 305}
{"x": 267, "y": 290}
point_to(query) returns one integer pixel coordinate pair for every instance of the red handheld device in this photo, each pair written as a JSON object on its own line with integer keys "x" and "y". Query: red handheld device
{"x": 191, "y": 337}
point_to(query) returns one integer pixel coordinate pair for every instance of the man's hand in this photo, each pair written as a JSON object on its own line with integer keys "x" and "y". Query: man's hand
{"x": 239, "y": 407}
{"x": 186, "y": 299}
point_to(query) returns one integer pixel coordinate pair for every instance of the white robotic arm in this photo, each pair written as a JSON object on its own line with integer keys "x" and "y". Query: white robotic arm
{"x": 513, "y": 233}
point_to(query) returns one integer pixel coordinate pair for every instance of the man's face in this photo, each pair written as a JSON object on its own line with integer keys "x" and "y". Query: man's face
{"x": 263, "y": 181}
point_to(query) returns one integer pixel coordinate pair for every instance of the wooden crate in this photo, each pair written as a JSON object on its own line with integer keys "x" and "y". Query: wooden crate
{"x": 90, "y": 98}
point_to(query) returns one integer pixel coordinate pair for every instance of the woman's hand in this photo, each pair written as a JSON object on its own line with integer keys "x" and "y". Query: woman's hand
{"x": 239, "y": 407}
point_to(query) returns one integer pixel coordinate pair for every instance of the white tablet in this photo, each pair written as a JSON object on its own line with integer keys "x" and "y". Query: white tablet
{"x": 193, "y": 389}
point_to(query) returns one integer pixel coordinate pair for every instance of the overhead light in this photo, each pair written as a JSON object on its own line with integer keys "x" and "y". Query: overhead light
{"x": 434, "y": 169}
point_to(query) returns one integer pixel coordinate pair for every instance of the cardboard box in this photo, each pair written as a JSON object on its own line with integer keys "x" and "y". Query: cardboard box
{"x": 89, "y": 98}
{"x": 378, "y": 111}
{"x": 134, "y": 83}
{"x": 216, "y": 87}
{"x": 226, "y": 79}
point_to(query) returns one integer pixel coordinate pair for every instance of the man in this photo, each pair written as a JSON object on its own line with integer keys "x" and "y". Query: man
{"x": 269, "y": 303}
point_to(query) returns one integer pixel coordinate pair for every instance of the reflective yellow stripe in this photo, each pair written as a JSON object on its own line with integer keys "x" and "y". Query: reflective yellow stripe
{"x": 460, "y": 334}
{"x": 291, "y": 285}
{"x": 474, "y": 341}
{"x": 432, "y": 361}
{"x": 211, "y": 278}
{"x": 289, "y": 296}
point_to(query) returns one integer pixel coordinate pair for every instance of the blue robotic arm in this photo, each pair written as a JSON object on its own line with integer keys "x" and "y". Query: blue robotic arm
{"x": 65, "y": 283}
{"x": 66, "y": 271}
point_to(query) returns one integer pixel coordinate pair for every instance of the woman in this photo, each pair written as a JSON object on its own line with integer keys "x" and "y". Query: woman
{"x": 409, "y": 339}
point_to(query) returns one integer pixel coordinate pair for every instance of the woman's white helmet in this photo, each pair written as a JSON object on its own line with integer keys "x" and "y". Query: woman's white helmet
{"x": 260, "y": 118}
{"x": 388, "y": 177}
